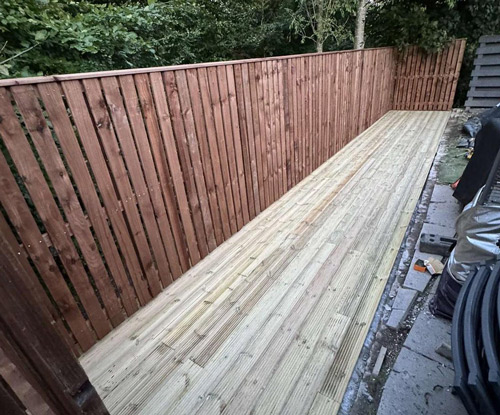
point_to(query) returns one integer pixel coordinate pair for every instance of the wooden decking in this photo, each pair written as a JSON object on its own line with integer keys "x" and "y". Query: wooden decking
{"x": 273, "y": 320}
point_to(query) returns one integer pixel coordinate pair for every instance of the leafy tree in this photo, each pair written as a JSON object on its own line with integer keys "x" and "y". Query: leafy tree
{"x": 359, "y": 35}
{"x": 432, "y": 25}
{"x": 54, "y": 36}
{"x": 39, "y": 37}
{"x": 477, "y": 18}
{"x": 321, "y": 20}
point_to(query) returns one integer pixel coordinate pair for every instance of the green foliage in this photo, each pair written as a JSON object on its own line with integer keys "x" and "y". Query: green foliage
{"x": 39, "y": 37}
{"x": 432, "y": 25}
{"x": 325, "y": 21}
{"x": 426, "y": 23}
{"x": 54, "y": 36}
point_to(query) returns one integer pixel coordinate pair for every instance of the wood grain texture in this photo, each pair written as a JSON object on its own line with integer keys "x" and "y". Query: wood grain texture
{"x": 427, "y": 81}
{"x": 116, "y": 185}
{"x": 274, "y": 319}
{"x": 37, "y": 367}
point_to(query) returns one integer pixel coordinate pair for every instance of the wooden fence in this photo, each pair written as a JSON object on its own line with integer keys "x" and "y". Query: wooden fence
{"x": 116, "y": 183}
{"x": 428, "y": 81}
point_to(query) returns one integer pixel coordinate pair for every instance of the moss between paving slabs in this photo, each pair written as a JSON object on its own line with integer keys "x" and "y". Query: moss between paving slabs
{"x": 453, "y": 162}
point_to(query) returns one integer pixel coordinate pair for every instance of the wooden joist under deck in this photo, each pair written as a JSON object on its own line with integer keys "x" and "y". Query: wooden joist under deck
{"x": 274, "y": 319}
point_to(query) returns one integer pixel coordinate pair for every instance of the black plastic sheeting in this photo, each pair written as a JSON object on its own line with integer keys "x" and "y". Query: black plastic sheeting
{"x": 443, "y": 302}
{"x": 475, "y": 174}
{"x": 474, "y": 124}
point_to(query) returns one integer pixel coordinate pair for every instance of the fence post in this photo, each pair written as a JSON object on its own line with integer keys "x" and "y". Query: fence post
{"x": 33, "y": 345}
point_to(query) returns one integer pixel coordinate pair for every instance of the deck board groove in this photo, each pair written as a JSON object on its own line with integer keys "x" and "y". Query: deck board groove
{"x": 273, "y": 320}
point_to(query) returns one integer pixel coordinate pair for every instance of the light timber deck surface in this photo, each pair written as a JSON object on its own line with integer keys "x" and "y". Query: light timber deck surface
{"x": 274, "y": 319}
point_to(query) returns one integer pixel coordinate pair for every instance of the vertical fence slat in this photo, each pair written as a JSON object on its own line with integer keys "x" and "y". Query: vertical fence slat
{"x": 229, "y": 147}
{"x": 19, "y": 214}
{"x": 143, "y": 84}
{"x": 450, "y": 72}
{"x": 84, "y": 124}
{"x": 294, "y": 83}
{"x": 456, "y": 74}
{"x": 224, "y": 198}
{"x": 117, "y": 183}
{"x": 205, "y": 155}
{"x": 266, "y": 87}
{"x": 283, "y": 135}
{"x": 427, "y": 81}
{"x": 254, "y": 104}
{"x": 288, "y": 121}
{"x": 248, "y": 103}
{"x": 185, "y": 161}
{"x": 172, "y": 157}
{"x": 128, "y": 197}
{"x": 151, "y": 192}
{"x": 237, "y": 143}
{"x": 56, "y": 110}
{"x": 41, "y": 136}
{"x": 193, "y": 157}
{"x": 316, "y": 116}
{"x": 244, "y": 133}
{"x": 307, "y": 135}
{"x": 273, "y": 140}
{"x": 259, "y": 91}
{"x": 33, "y": 177}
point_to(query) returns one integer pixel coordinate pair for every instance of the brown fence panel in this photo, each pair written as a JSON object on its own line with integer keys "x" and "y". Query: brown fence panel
{"x": 116, "y": 183}
{"x": 427, "y": 81}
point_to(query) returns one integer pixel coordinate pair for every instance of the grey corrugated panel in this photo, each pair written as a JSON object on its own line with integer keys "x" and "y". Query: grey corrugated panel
{"x": 481, "y": 103}
{"x": 487, "y": 60}
{"x": 484, "y": 87}
{"x": 489, "y": 49}
{"x": 492, "y": 70}
{"x": 486, "y": 82}
{"x": 485, "y": 93}
{"x": 489, "y": 39}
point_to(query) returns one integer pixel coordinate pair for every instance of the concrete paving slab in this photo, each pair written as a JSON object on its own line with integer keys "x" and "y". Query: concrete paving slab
{"x": 404, "y": 299}
{"x": 443, "y": 214}
{"x": 442, "y": 194}
{"x": 395, "y": 319}
{"x": 416, "y": 280}
{"x": 419, "y": 386}
{"x": 427, "y": 334}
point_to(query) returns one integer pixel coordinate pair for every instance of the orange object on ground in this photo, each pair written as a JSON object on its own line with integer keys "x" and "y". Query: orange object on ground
{"x": 420, "y": 266}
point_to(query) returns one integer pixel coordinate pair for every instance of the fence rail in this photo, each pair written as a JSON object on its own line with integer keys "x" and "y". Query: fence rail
{"x": 115, "y": 184}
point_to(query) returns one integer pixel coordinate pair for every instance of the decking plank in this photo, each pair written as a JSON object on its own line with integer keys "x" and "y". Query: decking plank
{"x": 273, "y": 319}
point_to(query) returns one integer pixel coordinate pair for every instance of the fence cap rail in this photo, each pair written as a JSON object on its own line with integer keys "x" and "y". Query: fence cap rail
{"x": 133, "y": 71}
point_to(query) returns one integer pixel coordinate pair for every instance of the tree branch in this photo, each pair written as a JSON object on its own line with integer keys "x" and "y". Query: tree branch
{"x": 18, "y": 54}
